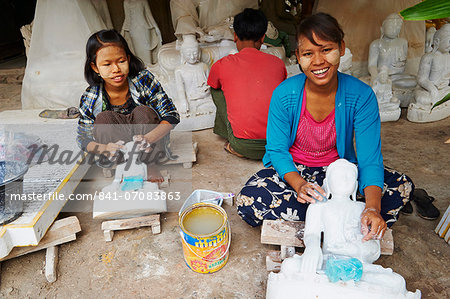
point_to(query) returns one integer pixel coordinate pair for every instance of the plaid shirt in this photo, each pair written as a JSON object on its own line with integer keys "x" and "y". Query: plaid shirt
{"x": 145, "y": 90}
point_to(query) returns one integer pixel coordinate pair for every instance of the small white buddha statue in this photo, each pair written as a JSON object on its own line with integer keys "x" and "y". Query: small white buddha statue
{"x": 388, "y": 105}
{"x": 191, "y": 78}
{"x": 132, "y": 174}
{"x": 434, "y": 80}
{"x": 391, "y": 50}
{"x": 339, "y": 218}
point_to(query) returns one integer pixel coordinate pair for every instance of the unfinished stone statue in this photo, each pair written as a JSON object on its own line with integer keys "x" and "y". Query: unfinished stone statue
{"x": 391, "y": 50}
{"x": 339, "y": 220}
{"x": 434, "y": 80}
{"x": 26, "y": 31}
{"x": 103, "y": 12}
{"x": 205, "y": 18}
{"x": 141, "y": 31}
{"x": 54, "y": 76}
{"x": 130, "y": 194}
{"x": 388, "y": 105}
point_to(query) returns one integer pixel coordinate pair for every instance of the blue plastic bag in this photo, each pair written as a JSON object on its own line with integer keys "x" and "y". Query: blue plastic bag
{"x": 344, "y": 269}
{"x": 132, "y": 183}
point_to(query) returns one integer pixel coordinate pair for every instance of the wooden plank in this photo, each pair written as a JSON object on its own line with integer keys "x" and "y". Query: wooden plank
{"x": 51, "y": 261}
{"x": 447, "y": 236}
{"x": 445, "y": 226}
{"x": 441, "y": 222}
{"x": 62, "y": 231}
{"x": 108, "y": 235}
{"x": 131, "y": 223}
{"x": 387, "y": 243}
{"x": 280, "y": 232}
{"x": 156, "y": 229}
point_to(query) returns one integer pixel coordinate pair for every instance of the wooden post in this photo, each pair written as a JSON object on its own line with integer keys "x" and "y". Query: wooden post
{"x": 51, "y": 261}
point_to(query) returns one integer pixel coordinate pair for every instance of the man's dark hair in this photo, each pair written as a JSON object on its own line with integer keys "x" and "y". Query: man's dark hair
{"x": 323, "y": 25}
{"x": 101, "y": 39}
{"x": 251, "y": 24}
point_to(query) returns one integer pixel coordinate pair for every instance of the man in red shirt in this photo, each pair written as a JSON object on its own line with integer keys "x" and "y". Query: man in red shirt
{"x": 242, "y": 85}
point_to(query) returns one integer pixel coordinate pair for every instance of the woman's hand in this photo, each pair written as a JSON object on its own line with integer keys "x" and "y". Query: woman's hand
{"x": 142, "y": 143}
{"x": 112, "y": 148}
{"x": 306, "y": 192}
{"x": 310, "y": 192}
{"x": 373, "y": 225}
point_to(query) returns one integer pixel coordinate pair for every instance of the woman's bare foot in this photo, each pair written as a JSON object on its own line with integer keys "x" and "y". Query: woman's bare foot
{"x": 153, "y": 174}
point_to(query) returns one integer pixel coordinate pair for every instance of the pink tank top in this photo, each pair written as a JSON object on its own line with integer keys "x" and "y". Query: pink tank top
{"x": 315, "y": 143}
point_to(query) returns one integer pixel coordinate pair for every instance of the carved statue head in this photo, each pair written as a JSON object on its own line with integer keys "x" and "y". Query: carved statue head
{"x": 441, "y": 39}
{"x": 190, "y": 50}
{"x": 341, "y": 179}
{"x": 391, "y": 26}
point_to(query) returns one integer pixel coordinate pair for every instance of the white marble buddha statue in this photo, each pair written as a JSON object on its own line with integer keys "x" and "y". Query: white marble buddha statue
{"x": 339, "y": 218}
{"x": 191, "y": 80}
{"x": 433, "y": 80}
{"x": 388, "y": 105}
{"x": 391, "y": 50}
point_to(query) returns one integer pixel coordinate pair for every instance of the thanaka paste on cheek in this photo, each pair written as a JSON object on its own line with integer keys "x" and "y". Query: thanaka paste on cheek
{"x": 333, "y": 57}
{"x": 305, "y": 62}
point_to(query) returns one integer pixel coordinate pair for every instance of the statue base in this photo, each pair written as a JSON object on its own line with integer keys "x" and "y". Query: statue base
{"x": 419, "y": 114}
{"x": 196, "y": 123}
{"x": 405, "y": 95}
{"x": 390, "y": 115}
{"x": 308, "y": 285}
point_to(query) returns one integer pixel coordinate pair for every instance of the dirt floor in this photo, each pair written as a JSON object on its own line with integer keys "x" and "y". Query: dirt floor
{"x": 137, "y": 264}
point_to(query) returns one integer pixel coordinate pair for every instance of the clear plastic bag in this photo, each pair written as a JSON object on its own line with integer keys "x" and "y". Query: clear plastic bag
{"x": 343, "y": 268}
{"x": 208, "y": 196}
{"x": 21, "y": 148}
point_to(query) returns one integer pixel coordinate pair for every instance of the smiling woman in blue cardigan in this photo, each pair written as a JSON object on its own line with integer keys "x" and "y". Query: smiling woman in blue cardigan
{"x": 314, "y": 119}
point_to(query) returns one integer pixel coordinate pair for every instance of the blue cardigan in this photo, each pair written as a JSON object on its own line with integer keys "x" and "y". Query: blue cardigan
{"x": 356, "y": 115}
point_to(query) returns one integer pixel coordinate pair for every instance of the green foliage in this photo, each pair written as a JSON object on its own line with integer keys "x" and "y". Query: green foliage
{"x": 445, "y": 99}
{"x": 427, "y": 10}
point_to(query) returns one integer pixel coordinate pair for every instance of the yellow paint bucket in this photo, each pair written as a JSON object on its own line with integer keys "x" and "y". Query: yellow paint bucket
{"x": 205, "y": 235}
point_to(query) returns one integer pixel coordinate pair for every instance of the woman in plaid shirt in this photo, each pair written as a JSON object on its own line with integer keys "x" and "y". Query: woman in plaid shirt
{"x": 123, "y": 102}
